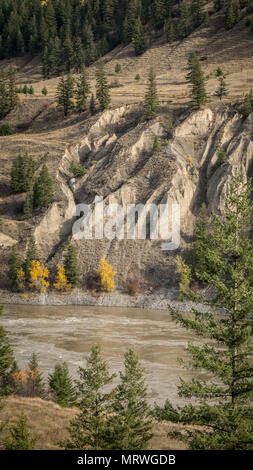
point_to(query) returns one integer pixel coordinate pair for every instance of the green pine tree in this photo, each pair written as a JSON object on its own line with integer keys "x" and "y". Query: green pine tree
{"x": 247, "y": 107}
{"x": 129, "y": 427}
{"x": 171, "y": 32}
{"x": 207, "y": 19}
{"x": 92, "y": 104}
{"x": 222, "y": 403}
{"x": 91, "y": 53}
{"x": 230, "y": 16}
{"x": 35, "y": 379}
{"x": 65, "y": 94}
{"x": 68, "y": 54}
{"x": 102, "y": 89}
{"x": 22, "y": 174}
{"x": 82, "y": 89}
{"x": 45, "y": 63}
{"x": 222, "y": 89}
{"x": 6, "y": 360}
{"x": 184, "y": 26}
{"x": 87, "y": 430}
{"x": 129, "y": 21}
{"x": 71, "y": 266}
{"x": 43, "y": 190}
{"x": 14, "y": 264}
{"x": 156, "y": 144}
{"x": 197, "y": 13}
{"x": 4, "y": 101}
{"x": 12, "y": 94}
{"x": 196, "y": 79}
{"x": 159, "y": 12}
{"x": 60, "y": 386}
{"x": 151, "y": 104}
{"x": 219, "y": 72}
{"x": 8, "y": 91}
{"x": 79, "y": 56}
{"x": 20, "y": 438}
{"x": 138, "y": 37}
{"x": 28, "y": 206}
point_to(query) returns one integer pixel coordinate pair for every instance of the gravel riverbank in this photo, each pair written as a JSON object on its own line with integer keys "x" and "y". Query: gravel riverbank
{"x": 158, "y": 300}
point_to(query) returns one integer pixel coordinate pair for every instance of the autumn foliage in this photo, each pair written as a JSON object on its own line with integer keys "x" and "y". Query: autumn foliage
{"x": 38, "y": 275}
{"x": 61, "y": 282}
{"x": 107, "y": 276}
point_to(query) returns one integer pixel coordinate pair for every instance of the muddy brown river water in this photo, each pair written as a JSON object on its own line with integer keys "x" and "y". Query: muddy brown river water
{"x": 59, "y": 334}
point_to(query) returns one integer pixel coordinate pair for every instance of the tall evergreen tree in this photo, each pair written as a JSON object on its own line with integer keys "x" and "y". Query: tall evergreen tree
{"x": 247, "y": 107}
{"x": 89, "y": 44}
{"x": 56, "y": 58}
{"x": 20, "y": 438}
{"x": 129, "y": 21}
{"x": 222, "y": 89}
{"x": 43, "y": 190}
{"x": 102, "y": 89}
{"x": 14, "y": 264}
{"x": 8, "y": 94}
{"x": 71, "y": 266}
{"x": 68, "y": 54}
{"x": 151, "y": 104}
{"x": 12, "y": 94}
{"x": 79, "y": 56}
{"x": 28, "y": 206}
{"x": 185, "y": 22}
{"x": 92, "y": 104}
{"x": 138, "y": 37}
{"x": 60, "y": 386}
{"x": 45, "y": 63}
{"x": 230, "y": 16}
{"x": 222, "y": 404}
{"x": 171, "y": 32}
{"x": 50, "y": 18}
{"x": 87, "y": 430}
{"x": 65, "y": 93}
{"x": 130, "y": 424}
{"x": 159, "y": 11}
{"x": 196, "y": 78}
{"x": 22, "y": 174}
{"x": 6, "y": 359}
{"x": 197, "y": 12}
{"x": 82, "y": 89}
{"x": 36, "y": 384}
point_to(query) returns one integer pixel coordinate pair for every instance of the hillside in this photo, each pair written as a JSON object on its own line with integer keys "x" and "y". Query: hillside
{"x": 48, "y": 422}
{"x": 116, "y": 147}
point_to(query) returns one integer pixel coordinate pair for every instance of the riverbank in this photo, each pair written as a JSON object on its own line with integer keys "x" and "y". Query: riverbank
{"x": 158, "y": 300}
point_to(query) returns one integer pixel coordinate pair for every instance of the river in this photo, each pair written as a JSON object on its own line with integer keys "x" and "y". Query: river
{"x": 66, "y": 333}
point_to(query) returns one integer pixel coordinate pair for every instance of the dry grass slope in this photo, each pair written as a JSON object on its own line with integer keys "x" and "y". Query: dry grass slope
{"x": 47, "y": 421}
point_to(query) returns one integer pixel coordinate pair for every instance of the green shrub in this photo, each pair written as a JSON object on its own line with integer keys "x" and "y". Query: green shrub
{"x": 44, "y": 91}
{"x": 137, "y": 77}
{"x": 6, "y": 129}
{"x": 222, "y": 156}
{"x": 77, "y": 170}
{"x": 118, "y": 68}
{"x": 156, "y": 144}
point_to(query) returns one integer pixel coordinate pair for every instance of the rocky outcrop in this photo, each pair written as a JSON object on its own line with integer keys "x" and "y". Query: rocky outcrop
{"x": 123, "y": 168}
